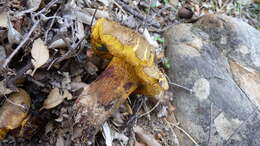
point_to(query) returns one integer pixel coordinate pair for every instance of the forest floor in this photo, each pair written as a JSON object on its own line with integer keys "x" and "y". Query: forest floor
{"x": 64, "y": 28}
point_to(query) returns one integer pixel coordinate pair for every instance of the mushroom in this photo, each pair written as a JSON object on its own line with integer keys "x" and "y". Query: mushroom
{"x": 14, "y": 111}
{"x": 131, "y": 69}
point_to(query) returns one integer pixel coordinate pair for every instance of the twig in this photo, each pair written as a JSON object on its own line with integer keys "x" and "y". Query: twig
{"x": 21, "y": 44}
{"x": 146, "y": 16}
{"x": 186, "y": 133}
{"x": 174, "y": 134}
{"x": 10, "y": 82}
{"x": 50, "y": 4}
{"x": 180, "y": 86}
{"x": 38, "y": 83}
{"x": 48, "y": 30}
{"x": 150, "y": 110}
{"x": 93, "y": 17}
{"x": 138, "y": 15}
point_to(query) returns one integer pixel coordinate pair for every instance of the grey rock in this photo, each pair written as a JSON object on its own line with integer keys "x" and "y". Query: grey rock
{"x": 219, "y": 58}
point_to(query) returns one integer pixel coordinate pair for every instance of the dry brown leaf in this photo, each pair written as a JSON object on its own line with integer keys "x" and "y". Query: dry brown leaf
{"x": 146, "y": 138}
{"x": 55, "y": 98}
{"x": 14, "y": 111}
{"x": 40, "y": 54}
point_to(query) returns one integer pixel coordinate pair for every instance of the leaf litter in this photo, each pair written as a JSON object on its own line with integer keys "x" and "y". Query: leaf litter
{"x": 47, "y": 52}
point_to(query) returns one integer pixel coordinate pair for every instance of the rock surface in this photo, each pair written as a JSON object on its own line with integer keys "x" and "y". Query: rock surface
{"x": 219, "y": 58}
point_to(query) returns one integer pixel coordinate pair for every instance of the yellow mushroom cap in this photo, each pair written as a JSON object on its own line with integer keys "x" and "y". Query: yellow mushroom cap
{"x": 134, "y": 49}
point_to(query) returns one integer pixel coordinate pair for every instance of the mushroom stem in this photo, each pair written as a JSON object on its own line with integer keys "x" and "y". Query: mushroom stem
{"x": 101, "y": 98}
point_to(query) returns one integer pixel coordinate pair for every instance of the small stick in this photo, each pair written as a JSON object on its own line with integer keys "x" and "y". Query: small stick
{"x": 93, "y": 17}
{"x": 174, "y": 134}
{"x": 185, "y": 88}
{"x": 138, "y": 15}
{"x": 119, "y": 6}
{"x": 21, "y": 44}
{"x": 186, "y": 133}
{"x": 157, "y": 104}
{"x": 180, "y": 86}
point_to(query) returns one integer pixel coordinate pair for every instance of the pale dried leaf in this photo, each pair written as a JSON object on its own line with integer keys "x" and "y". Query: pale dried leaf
{"x": 79, "y": 15}
{"x": 139, "y": 144}
{"x": 107, "y": 134}
{"x": 174, "y": 3}
{"x": 146, "y": 138}
{"x": 60, "y": 141}
{"x": 55, "y": 98}
{"x": 34, "y": 4}
{"x": 149, "y": 39}
{"x": 3, "y": 89}
{"x": 121, "y": 137}
{"x": 78, "y": 85}
{"x": 14, "y": 37}
{"x": 40, "y": 54}
{"x": 3, "y": 19}
{"x": 80, "y": 32}
{"x": 14, "y": 111}
{"x": 105, "y": 2}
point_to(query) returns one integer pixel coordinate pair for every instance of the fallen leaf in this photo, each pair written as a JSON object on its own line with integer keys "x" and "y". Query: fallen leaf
{"x": 3, "y": 89}
{"x": 3, "y": 19}
{"x": 30, "y": 126}
{"x": 40, "y": 54}
{"x": 14, "y": 37}
{"x": 14, "y": 111}
{"x": 107, "y": 134}
{"x": 146, "y": 138}
{"x": 139, "y": 144}
{"x": 77, "y": 85}
{"x": 148, "y": 37}
{"x": 80, "y": 33}
{"x": 55, "y": 98}
{"x": 60, "y": 141}
{"x": 105, "y": 2}
{"x": 34, "y": 4}
{"x": 174, "y": 3}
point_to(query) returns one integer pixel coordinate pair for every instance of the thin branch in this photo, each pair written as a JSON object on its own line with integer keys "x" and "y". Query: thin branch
{"x": 21, "y": 44}
{"x": 93, "y": 17}
{"x": 180, "y": 86}
{"x": 129, "y": 9}
{"x": 157, "y": 104}
{"x": 119, "y": 6}
{"x": 186, "y": 133}
{"x": 174, "y": 134}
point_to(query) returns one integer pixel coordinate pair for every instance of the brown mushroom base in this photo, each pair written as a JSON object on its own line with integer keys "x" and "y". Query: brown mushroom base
{"x": 98, "y": 101}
